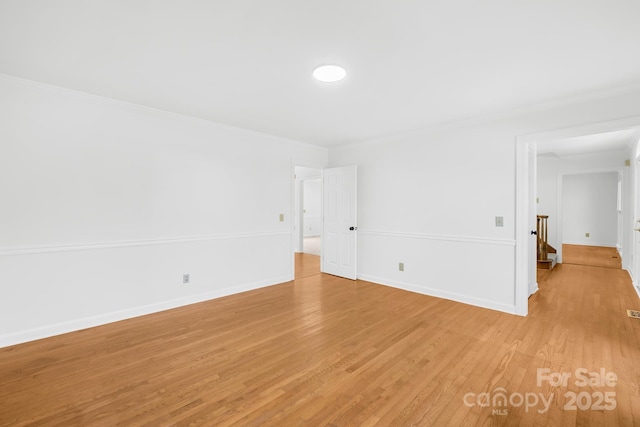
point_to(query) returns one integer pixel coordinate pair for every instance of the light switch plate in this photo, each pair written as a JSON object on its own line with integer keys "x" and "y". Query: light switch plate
{"x": 281, "y": 217}
{"x": 499, "y": 221}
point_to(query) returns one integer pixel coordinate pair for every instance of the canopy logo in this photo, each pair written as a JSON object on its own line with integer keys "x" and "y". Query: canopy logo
{"x": 500, "y": 401}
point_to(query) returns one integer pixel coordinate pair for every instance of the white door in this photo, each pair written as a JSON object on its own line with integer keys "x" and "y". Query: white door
{"x": 533, "y": 222}
{"x": 339, "y": 213}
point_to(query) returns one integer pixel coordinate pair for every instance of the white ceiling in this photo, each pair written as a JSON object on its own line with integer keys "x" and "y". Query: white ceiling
{"x": 248, "y": 63}
{"x": 618, "y": 141}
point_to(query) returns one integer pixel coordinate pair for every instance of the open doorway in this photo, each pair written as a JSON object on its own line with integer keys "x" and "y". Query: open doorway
{"x": 311, "y": 220}
{"x": 587, "y": 220}
{"x": 307, "y": 220}
{"x": 598, "y": 148}
{"x": 325, "y": 224}
{"x": 581, "y": 186}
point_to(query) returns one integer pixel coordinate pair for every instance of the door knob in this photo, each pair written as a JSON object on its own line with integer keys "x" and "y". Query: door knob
{"x": 534, "y": 232}
{"x": 353, "y": 228}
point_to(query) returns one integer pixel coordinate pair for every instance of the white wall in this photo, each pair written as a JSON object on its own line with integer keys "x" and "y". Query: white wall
{"x": 105, "y": 206}
{"x": 429, "y": 199}
{"x": 589, "y": 205}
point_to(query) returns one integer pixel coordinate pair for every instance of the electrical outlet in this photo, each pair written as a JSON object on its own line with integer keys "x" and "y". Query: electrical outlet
{"x": 499, "y": 221}
{"x": 281, "y": 217}
{"x": 185, "y": 278}
{"x": 401, "y": 266}
{"x": 586, "y": 234}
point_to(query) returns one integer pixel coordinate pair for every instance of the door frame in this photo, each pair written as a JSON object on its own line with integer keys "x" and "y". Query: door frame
{"x": 524, "y": 178}
{"x": 635, "y": 244}
{"x": 523, "y": 197}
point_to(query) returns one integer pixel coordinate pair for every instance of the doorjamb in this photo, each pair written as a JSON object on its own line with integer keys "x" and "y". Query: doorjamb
{"x": 635, "y": 246}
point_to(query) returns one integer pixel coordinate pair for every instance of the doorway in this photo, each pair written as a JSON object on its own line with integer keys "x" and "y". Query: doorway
{"x": 325, "y": 219}
{"x": 578, "y": 142}
{"x": 307, "y": 220}
{"x": 311, "y": 220}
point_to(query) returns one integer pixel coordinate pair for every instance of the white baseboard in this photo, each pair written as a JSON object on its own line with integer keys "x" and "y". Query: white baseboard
{"x": 102, "y": 319}
{"x": 465, "y": 299}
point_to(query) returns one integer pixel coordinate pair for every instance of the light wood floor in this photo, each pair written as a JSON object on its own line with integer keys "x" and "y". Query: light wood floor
{"x": 306, "y": 265}
{"x": 323, "y": 351}
{"x": 591, "y": 255}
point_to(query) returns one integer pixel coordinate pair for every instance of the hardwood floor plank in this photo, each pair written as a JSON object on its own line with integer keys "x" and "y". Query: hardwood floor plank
{"x": 326, "y": 351}
{"x": 596, "y": 256}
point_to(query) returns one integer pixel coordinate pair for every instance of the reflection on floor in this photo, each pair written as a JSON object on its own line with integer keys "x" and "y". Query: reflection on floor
{"x": 307, "y": 265}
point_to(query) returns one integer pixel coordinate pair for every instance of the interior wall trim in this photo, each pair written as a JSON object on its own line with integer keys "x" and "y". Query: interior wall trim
{"x": 441, "y": 237}
{"x": 133, "y": 243}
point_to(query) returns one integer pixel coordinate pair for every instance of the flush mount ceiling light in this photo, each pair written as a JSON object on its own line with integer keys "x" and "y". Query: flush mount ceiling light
{"x": 329, "y": 73}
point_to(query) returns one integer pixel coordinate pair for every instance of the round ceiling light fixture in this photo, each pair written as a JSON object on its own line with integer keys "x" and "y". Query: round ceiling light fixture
{"x": 329, "y": 73}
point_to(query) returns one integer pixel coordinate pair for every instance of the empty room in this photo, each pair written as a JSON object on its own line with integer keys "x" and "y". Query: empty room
{"x": 324, "y": 214}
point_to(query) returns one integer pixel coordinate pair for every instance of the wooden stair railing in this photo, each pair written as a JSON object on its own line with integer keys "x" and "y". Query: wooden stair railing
{"x": 544, "y": 248}
{"x": 542, "y": 237}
